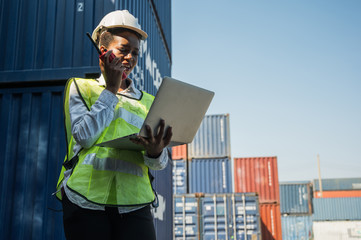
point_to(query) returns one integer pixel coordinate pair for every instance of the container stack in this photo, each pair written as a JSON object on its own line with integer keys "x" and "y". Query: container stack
{"x": 205, "y": 207}
{"x": 205, "y": 164}
{"x": 216, "y": 216}
{"x": 180, "y": 173}
{"x": 337, "y": 187}
{"x": 209, "y": 157}
{"x": 260, "y": 175}
{"x": 337, "y": 209}
{"x": 296, "y": 210}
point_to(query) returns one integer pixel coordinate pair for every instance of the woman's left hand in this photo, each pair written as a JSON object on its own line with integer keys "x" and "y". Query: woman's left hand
{"x": 154, "y": 144}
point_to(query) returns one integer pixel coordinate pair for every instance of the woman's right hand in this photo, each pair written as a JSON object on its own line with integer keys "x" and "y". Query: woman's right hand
{"x": 113, "y": 72}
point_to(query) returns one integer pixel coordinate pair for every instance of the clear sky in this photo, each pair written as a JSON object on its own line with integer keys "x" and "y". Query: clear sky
{"x": 287, "y": 72}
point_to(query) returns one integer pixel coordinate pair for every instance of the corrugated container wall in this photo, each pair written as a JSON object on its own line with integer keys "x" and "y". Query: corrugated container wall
{"x": 180, "y": 176}
{"x": 334, "y": 184}
{"x": 334, "y": 209}
{"x": 271, "y": 221}
{"x": 179, "y": 152}
{"x": 258, "y": 174}
{"x": 186, "y": 217}
{"x": 337, "y": 194}
{"x": 32, "y": 148}
{"x": 210, "y": 175}
{"x": 230, "y": 216}
{"x": 295, "y": 198}
{"x": 297, "y": 227}
{"x": 163, "y": 214}
{"x": 57, "y": 48}
{"x": 52, "y": 34}
{"x": 217, "y": 216}
{"x": 165, "y": 19}
{"x": 212, "y": 139}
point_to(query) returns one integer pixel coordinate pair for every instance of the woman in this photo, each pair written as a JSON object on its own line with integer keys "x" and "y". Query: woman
{"x": 106, "y": 192}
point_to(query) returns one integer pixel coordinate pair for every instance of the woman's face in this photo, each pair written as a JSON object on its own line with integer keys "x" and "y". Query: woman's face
{"x": 125, "y": 46}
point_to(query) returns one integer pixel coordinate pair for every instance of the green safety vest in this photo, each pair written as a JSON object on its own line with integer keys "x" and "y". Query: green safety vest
{"x": 109, "y": 176}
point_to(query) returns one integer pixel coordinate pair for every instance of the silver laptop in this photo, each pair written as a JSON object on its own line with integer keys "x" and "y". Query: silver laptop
{"x": 181, "y": 105}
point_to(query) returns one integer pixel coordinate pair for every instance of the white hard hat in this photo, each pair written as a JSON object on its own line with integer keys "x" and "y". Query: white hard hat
{"x": 119, "y": 19}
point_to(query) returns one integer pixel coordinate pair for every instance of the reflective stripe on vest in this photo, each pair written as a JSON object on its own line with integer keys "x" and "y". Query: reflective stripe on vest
{"x": 110, "y": 176}
{"x": 128, "y": 117}
{"x": 112, "y": 164}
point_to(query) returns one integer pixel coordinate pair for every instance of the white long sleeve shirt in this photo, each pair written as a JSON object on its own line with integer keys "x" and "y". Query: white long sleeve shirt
{"x": 87, "y": 126}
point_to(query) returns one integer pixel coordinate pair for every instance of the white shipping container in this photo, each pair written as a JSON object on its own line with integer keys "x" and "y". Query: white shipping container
{"x": 337, "y": 230}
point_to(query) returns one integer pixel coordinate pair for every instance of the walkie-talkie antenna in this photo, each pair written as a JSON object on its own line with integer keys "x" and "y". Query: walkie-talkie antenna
{"x": 95, "y": 45}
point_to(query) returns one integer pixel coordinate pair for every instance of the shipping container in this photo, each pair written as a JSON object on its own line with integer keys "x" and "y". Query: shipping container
{"x": 57, "y": 48}
{"x": 297, "y": 227}
{"x": 334, "y": 209}
{"x": 163, "y": 214}
{"x": 335, "y": 184}
{"x": 179, "y": 152}
{"x": 211, "y": 175}
{"x": 270, "y": 221}
{"x": 31, "y": 87}
{"x": 337, "y": 194}
{"x": 162, "y": 11}
{"x": 230, "y": 216}
{"x": 337, "y": 230}
{"x": 257, "y": 174}
{"x": 186, "y": 217}
{"x": 180, "y": 176}
{"x": 32, "y": 149}
{"x": 212, "y": 139}
{"x": 295, "y": 198}
{"x": 217, "y": 216}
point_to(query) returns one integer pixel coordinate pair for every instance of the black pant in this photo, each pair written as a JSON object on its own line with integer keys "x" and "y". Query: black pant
{"x": 80, "y": 223}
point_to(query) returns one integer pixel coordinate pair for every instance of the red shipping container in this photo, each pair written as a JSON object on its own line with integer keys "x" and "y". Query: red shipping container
{"x": 179, "y": 152}
{"x": 337, "y": 194}
{"x": 258, "y": 174}
{"x": 270, "y": 221}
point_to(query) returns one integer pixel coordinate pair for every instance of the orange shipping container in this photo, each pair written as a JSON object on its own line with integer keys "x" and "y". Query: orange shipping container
{"x": 257, "y": 174}
{"x": 270, "y": 221}
{"x": 337, "y": 194}
{"x": 179, "y": 152}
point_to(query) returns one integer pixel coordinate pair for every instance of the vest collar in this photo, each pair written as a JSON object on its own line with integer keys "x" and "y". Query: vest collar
{"x": 130, "y": 91}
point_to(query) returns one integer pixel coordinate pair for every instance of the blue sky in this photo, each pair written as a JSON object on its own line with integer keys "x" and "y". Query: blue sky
{"x": 287, "y": 72}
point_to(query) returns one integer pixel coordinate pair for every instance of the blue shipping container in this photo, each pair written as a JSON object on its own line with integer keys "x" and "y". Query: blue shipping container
{"x": 334, "y": 209}
{"x": 217, "y": 216}
{"x": 179, "y": 176}
{"x": 295, "y": 198}
{"x": 297, "y": 227}
{"x": 186, "y": 217}
{"x": 212, "y": 139}
{"x": 213, "y": 175}
{"x": 336, "y": 184}
{"x": 56, "y": 46}
{"x": 163, "y": 214}
{"x": 230, "y": 216}
{"x": 32, "y": 149}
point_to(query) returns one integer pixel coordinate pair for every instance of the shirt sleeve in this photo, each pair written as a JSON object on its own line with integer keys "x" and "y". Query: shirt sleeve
{"x": 158, "y": 163}
{"x": 87, "y": 126}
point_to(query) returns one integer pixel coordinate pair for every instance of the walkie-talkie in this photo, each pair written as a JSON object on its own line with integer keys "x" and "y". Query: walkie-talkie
{"x": 102, "y": 55}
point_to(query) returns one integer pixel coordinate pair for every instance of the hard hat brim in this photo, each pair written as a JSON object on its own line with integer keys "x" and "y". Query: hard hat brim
{"x": 142, "y": 34}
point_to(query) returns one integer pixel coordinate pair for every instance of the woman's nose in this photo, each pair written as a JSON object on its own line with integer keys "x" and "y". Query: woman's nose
{"x": 128, "y": 56}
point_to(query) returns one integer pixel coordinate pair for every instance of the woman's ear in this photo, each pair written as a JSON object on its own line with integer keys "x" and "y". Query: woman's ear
{"x": 103, "y": 49}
